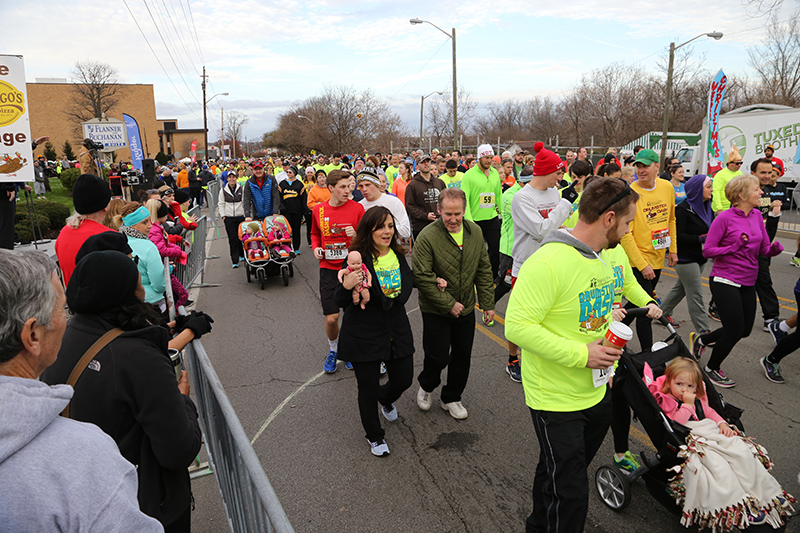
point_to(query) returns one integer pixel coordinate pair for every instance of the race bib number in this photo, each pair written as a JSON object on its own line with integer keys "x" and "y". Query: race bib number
{"x": 486, "y": 200}
{"x": 601, "y": 376}
{"x": 661, "y": 239}
{"x": 336, "y": 251}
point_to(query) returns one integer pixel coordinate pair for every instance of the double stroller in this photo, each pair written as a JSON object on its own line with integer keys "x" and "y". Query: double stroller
{"x": 667, "y": 436}
{"x": 264, "y": 254}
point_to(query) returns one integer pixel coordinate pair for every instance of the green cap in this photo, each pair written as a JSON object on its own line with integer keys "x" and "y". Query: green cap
{"x": 647, "y": 157}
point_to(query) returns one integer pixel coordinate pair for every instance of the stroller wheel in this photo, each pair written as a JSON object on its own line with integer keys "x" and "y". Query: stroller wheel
{"x": 285, "y": 275}
{"x": 614, "y": 488}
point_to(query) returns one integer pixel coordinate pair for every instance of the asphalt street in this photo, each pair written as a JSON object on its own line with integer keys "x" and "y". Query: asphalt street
{"x": 442, "y": 475}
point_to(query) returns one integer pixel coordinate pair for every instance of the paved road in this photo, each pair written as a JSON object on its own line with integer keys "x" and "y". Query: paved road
{"x": 443, "y": 475}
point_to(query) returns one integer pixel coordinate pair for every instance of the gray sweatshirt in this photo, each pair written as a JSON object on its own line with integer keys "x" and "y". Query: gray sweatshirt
{"x": 58, "y": 474}
{"x": 535, "y": 214}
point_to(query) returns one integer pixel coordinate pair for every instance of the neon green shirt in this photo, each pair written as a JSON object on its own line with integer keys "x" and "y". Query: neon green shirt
{"x": 459, "y": 237}
{"x": 387, "y": 270}
{"x": 391, "y": 174}
{"x": 455, "y": 181}
{"x": 719, "y": 202}
{"x": 507, "y": 225}
{"x": 562, "y": 301}
{"x": 329, "y": 168}
{"x": 572, "y": 219}
{"x": 483, "y": 193}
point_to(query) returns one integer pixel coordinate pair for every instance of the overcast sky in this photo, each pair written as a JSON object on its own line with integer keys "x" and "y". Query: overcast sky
{"x": 268, "y": 55}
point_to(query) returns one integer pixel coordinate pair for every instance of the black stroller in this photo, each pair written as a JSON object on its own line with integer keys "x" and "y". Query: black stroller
{"x": 667, "y": 436}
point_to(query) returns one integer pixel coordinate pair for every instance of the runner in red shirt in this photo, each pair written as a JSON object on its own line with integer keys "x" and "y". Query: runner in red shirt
{"x": 333, "y": 227}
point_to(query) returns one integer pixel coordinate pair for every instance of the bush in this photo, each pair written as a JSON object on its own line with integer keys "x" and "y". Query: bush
{"x": 68, "y": 178}
{"x": 23, "y": 226}
{"x": 55, "y": 212}
{"x": 67, "y": 151}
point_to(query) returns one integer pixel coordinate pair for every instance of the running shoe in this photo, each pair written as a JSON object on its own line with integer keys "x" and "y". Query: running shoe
{"x": 456, "y": 409}
{"x": 235, "y": 265}
{"x": 772, "y": 371}
{"x": 712, "y": 311}
{"x": 490, "y": 324}
{"x": 424, "y": 399}
{"x": 389, "y": 412}
{"x": 330, "y": 363}
{"x": 795, "y": 261}
{"x": 756, "y": 519}
{"x": 769, "y": 321}
{"x": 298, "y": 252}
{"x": 672, "y": 323}
{"x": 383, "y": 368}
{"x": 720, "y": 379}
{"x": 348, "y": 365}
{"x": 513, "y": 370}
{"x": 777, "y": 333}
{"x": 627, "y": 464}
{"x": 378, "y": 448}
{"x": 696, "y": 346}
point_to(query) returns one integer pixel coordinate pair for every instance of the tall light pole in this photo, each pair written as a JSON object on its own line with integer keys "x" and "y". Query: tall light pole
{"x": 421, "y": 107}
{"x": 305, "y": 117}
{"x": 668, "y": 103}
{"x": 205, "y": 117}
{"x": 452, "y": 36}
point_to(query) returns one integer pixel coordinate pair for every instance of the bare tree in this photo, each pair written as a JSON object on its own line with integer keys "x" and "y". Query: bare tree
{"x": 439, "y": 114}
{"x": 96, "y": 90}
{"x": 777, "y": 62}
{"x": 234, "y": 126}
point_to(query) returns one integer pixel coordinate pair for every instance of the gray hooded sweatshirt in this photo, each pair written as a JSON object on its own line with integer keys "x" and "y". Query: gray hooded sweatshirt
{"x": 58, "y": 474}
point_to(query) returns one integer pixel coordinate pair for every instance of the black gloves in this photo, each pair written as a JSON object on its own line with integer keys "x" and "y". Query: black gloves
{"x": 569, "y": 193}
{"x": 197, "y": 321}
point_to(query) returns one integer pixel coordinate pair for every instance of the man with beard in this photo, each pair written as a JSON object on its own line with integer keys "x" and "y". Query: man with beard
{"x": 558, "y": 313}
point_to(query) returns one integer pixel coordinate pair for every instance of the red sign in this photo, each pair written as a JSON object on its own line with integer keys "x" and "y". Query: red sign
{"x": 194, "y": 151}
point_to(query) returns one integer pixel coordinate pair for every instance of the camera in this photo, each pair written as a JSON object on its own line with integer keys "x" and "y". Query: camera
{"x": 93, "y": 145}
{"x": 133, "y": 176}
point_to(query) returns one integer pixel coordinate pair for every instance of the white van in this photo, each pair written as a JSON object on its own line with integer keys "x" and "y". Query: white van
{"x": 752, "y": 128}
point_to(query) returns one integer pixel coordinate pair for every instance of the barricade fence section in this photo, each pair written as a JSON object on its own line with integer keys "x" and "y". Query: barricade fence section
{"x": 196, "y": 258}
{"x": 212, "y": 195}
{"x": 250, "y": 501}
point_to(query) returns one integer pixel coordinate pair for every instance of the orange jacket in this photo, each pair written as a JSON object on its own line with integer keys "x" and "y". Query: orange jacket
{"x": 183, "y": 179}
{"x": 317, "y": 195}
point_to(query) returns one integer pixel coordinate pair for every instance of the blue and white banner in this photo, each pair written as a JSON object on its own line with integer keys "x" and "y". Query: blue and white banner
{"x": 134, "y": 141}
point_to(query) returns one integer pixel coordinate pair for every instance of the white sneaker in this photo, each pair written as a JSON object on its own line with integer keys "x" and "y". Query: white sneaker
{"x": 378, "y": 448}
{"x": 456, "y": 409}
{"x": 389, "y": 412}
{"x": 424, "y": 400}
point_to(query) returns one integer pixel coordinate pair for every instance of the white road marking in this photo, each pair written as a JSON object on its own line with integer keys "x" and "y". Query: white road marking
{"x": 278, "y": 409}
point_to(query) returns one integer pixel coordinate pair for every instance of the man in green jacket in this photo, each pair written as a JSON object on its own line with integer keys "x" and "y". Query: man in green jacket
{"x": 450, "y": 249}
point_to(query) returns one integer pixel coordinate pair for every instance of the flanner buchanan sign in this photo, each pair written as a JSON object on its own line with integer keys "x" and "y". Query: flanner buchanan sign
{"x": 110, "y": 132}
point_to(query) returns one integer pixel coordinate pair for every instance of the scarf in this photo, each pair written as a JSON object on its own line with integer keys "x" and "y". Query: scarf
{"x": 694, "y": 197}
{"x": 133, "y": 233}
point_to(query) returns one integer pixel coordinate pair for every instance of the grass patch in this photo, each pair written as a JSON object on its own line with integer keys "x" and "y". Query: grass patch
{"x": 59, "y": 194}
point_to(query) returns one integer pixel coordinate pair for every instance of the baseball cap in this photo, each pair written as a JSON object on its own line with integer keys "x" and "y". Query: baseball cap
{"x": 646, "y": 157}
{"x": 258, "y": 164}
{"x": 423, "y": 157}
{"x": 769, "y": 146}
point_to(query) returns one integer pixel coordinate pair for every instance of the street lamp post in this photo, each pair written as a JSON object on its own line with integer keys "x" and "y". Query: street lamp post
{"x": 452, "y": 36}
{"x": 421, "y": 107}
{"x": 668, "y": 100}
{"x": 305, "y": 117}
{"x": 205, "y": 117}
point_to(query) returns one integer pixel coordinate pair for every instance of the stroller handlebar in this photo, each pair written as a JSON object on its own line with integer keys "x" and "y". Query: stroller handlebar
{"x": 642, "y": 311}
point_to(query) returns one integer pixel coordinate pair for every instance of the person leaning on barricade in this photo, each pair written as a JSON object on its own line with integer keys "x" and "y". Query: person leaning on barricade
{"x": 129, "y": 388}
{"x": 57, "y": 474}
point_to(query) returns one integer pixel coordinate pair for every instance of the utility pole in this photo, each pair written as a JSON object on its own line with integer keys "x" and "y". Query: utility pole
{"x": 222, "y": 132}
{"x": 205, "y": 119}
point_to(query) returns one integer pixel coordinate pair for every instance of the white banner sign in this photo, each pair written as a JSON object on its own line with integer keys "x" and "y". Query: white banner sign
{"x": 16, "y": 153}
{"x": 111, "y": 133}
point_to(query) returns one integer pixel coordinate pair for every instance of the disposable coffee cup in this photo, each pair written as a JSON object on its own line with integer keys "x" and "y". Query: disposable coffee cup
{"x": 617, "y": 336}
{"x": 175, "y": 359}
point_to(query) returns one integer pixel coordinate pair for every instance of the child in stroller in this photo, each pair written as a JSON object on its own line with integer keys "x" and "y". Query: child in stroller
{"x": 724, "y": 480}
{"x": 253, "y": 241}
{"x": 278, "y": 238}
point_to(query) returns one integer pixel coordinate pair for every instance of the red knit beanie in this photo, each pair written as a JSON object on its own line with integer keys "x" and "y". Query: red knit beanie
{"x": 546, "y": 162}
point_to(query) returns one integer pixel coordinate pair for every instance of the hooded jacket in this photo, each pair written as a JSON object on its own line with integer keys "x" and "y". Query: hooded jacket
{"x": 561, "y": 302}
{"x": 421, "y": 198}
{"x": 59, "y": 474}
{"x": 129, "y": 390}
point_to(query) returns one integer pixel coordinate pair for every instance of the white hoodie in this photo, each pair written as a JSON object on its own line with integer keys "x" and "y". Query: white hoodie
{"x": 58, "y": 474}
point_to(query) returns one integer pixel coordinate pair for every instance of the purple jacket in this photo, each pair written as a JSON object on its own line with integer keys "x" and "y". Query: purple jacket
{"x": 735, "y": 259}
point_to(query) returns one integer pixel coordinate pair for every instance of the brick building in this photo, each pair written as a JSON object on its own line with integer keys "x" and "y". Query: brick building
{"x": 49, "y": 102}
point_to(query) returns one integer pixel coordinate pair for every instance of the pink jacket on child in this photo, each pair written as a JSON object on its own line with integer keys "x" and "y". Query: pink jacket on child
{"x": 675, "y": 410}
{"x": 165, "y": 248}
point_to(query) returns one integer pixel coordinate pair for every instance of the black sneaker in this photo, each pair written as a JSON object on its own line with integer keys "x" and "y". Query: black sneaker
{"x": 513, "y": 370}
{"x": 769, "y": 321}
{"x": 777, "y": 333}
{"x": 720, "y": 379}
{"x": 712, "y": 311}
{"x": 696, "y": 346}
{"x": 772, "y": 371}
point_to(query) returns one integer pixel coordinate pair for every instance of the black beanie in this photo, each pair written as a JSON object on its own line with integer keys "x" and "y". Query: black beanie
{"x": 163, "y": 210}
{"x": 108, "y": 240}
{"x": 101, "y": 282}
{"x": 90, "y": 194}
{"x": 182, "y": 196}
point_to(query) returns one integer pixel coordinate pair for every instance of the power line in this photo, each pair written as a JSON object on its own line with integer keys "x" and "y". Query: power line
{"x": 179, "y": 33}
{"x": 420, "y": 70}
{"x": 196, "y": 35}
{"x": 158, "y": 60}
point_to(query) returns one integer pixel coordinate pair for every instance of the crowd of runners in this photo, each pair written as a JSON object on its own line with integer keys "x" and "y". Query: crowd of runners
{"x": 463, "y": 230}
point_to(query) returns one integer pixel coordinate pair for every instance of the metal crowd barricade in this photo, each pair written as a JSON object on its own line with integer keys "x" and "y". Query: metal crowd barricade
{"x": 249, "y": 499}
{"x": 212, "y": 194}
{"x": 195, "y": 262}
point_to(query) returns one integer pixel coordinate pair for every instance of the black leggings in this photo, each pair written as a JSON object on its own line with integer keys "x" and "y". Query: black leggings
{"x": 621, "y": 419}
{"x": 295, "y": 221}
{"x": 789, "y": 343}
{"x": 491, "y": 234}
{"x": 737, "y": 310}
{"x": 371, "y": 392}
{"x": 644, "y": 325}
